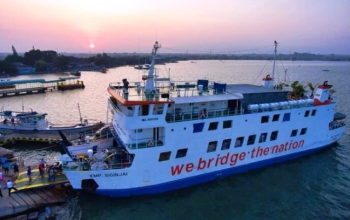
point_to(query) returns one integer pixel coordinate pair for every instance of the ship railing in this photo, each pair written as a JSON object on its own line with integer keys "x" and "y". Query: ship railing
{"x": 92, "y": 165}
{"x": 116, "y": 137}
{"x": 140, "y": 95}
{"x": 336, "y": 124}
{"x": 171, "y": 88}
{"x": 199, "y": 115}
{"x": 146, "y": 142}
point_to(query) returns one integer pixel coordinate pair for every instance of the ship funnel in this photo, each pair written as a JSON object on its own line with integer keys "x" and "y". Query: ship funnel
{"x": 322, "y": 95}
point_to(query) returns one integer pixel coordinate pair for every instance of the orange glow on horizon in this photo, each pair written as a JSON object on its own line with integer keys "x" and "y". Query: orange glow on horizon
{"x": 202, "y": 25}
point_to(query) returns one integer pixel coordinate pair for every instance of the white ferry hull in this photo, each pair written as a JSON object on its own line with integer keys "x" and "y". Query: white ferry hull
{"x": 172, "y": 135}
{"x": 122, "y": 182}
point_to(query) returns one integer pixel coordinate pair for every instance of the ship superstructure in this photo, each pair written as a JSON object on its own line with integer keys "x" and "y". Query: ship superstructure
{"x": 172, "y": 135}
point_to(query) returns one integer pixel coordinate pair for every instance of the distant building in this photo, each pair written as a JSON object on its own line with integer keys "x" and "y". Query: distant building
{"x": 23, "y": 69}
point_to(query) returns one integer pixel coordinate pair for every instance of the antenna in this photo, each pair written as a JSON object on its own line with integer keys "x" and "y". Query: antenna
{"x": 274, "y": 64}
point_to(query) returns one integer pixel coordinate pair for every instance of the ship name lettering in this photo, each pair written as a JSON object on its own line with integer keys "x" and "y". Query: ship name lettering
{"x": 233, "y": 159}
{"x": 95, "y": 175}
{"x": 149, "y": 119}
{"x": 116, "y": 174}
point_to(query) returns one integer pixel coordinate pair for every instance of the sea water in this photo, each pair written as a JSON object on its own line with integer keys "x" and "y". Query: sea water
{"x": 313, "y": 187}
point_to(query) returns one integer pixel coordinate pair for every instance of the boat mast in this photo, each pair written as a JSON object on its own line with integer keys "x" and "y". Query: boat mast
{"x": 274, "y": 63}
{"x": 149, "y": 87}
{"x": 81, "y": 119}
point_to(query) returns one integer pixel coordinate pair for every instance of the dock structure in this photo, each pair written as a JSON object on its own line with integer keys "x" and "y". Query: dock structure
{"x": 22, "y": 182}
{"x": 31, "y": 196}
{"x": 50, "y": 138}
{"x": 20, "y": 203}
{"x": 12, "y": 138}
{"x": 35, "y": 86}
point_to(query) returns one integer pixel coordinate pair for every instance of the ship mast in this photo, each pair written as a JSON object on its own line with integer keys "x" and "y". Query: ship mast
{"x": 149, "y": 87}
{"x": 274, "y": 63}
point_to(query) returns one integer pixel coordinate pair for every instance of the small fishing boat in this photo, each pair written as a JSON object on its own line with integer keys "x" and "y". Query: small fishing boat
{"x": 103, "y": 70}
{"x": 75, "y": 73}
{"x": 14, "y": 121}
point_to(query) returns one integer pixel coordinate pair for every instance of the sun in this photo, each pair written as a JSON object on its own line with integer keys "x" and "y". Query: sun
{"x": 92, "y": 45}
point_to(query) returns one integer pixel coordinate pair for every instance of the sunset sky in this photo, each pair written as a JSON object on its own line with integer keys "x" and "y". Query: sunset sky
{"x": 220, "y": 26}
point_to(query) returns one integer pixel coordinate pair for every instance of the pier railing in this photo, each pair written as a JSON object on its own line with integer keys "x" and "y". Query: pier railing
{"x": 91, "y": 165}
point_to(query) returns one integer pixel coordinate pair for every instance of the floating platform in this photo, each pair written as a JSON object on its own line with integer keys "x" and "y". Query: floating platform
{"x": 31, "y": 196}
{"x": 22, "y": 182}
{"x": 34, "y": 86}
{"x": 50, "y": 138}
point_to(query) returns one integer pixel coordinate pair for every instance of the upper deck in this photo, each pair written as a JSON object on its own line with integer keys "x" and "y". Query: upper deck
{"x": 202, "y": 91}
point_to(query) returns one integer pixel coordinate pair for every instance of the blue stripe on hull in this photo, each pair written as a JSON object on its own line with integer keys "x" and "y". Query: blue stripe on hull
{"x": 187, "y": 182}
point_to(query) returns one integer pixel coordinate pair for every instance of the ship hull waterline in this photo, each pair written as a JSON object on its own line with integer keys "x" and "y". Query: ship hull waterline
{"x": 203, "y": 178}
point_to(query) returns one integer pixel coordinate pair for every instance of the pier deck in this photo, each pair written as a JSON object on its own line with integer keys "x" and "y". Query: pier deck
{"x": 37, "y": 182}
{"x": 32, "y": 196}
{"x": 36, "y": 137}
{"x": 29, "y": 200}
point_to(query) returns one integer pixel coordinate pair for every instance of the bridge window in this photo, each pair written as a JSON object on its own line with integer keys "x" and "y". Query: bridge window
{"x": 265, "y": 119}
{"x": 274, "y": 135}
{"x": 276, "y": 117}
{"x": 213, "y": 126}
{"x": 212, "y": 146}
{"x": 181, "y": 153}
{"x": 294, "y": 133}
{"x": 307, "y": 113}
{"x": 227, "y": 124}
{"x": 303, "y": 131}
{"x": 226, "y": 144}
{"x": 251, "y": 139}
{"x": 164, "y": 156}
{"x": 286, "y": 117}
{"x": 239, "y": 142}
{"x": 138, "y": 130}
{"x": 262, "y": 138}
{"x": 313, "y": 113}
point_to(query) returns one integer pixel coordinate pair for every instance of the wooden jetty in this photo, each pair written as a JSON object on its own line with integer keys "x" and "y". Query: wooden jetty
{"x": 50, "y": 138}
{"x": 21, "y": 203}
{"x": 31, "y": 196}
{"x": 11, "y": 138}
{"x": 34, "y": 86}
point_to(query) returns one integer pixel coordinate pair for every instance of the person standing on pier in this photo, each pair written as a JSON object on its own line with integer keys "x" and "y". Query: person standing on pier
{"x": 29, "y": 174}
{"x": 5, "y": 166}
{"x": 43, "y": 162}
{"x": 10, "y": 186}
{"x": 41, "y": 170}
{"x": 1, "y": 191}
{"x": 15, "y": 168}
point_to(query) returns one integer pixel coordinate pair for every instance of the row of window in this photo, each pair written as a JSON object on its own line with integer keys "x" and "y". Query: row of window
{"x": 226, "y": 144}
{"x": 264, "y": 119}
{"x": 286, "y": 116}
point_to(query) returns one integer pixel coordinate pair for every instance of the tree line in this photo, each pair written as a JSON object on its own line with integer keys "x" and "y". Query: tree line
{"x": 51, "y": 61}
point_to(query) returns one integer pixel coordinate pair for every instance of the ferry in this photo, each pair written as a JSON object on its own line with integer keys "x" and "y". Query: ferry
{"x": 172, "y": 135}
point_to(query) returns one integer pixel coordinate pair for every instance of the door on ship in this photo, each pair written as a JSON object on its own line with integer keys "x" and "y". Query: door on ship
{"x": 234, "y": 105}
